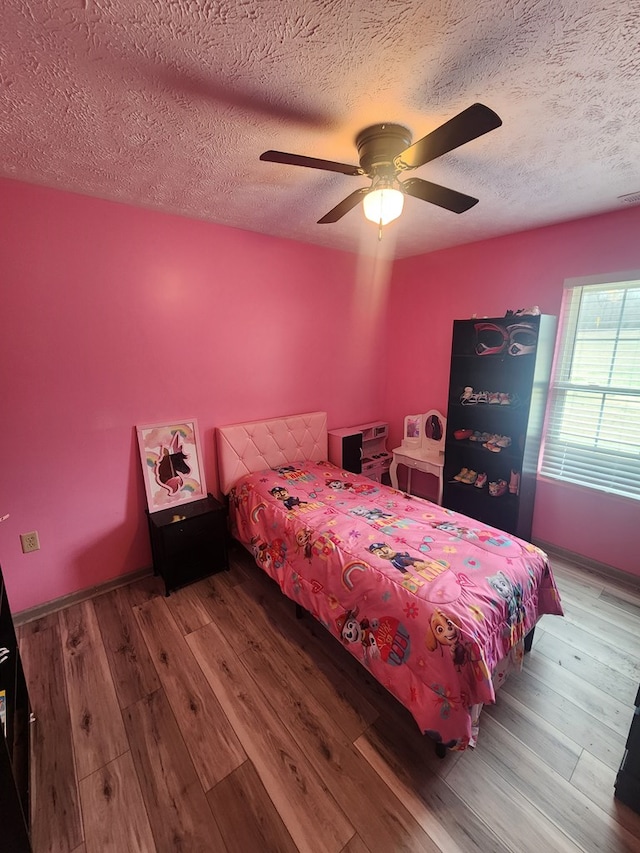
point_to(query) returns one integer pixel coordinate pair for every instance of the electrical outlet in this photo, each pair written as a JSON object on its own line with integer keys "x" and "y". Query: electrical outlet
{"x": 30, "y": 541}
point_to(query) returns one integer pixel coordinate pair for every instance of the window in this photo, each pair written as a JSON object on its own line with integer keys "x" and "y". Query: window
{"x": 593, "y": 420}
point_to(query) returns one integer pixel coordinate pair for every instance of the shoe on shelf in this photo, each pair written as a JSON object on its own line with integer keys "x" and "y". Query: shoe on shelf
{"x": 534, "y": 311}
{"x": 471, "y": 400}
{"x": 470, "y": 477}
{"x": 461, "y": 475}
{"x": 514, "y": 483}
{"x": 481, "y": 480}
{"x": 461, "y": 434}
{"x": 480, "y": 436}
{"x": 497, "y": 488}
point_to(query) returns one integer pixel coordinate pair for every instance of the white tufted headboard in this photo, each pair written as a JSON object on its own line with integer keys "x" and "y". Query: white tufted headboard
{"x": 256, "y": 445}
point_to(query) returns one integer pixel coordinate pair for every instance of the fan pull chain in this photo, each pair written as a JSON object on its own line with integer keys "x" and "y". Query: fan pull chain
{"x": 380, "y": 230}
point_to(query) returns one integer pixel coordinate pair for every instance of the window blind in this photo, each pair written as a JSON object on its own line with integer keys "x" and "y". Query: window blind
{"x": 593, "y": 417}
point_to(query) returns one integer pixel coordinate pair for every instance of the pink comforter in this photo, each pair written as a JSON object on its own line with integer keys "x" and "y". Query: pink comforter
{"x": 427, "y": 599}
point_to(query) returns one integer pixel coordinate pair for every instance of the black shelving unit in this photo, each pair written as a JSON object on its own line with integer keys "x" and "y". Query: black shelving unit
{"x": 500, "y": 371}
{"x": 627, "y": 786}
{"x": 15, "y": 740}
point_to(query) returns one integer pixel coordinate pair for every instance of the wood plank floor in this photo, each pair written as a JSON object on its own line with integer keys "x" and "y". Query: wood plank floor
{"x": 214, "y": 720}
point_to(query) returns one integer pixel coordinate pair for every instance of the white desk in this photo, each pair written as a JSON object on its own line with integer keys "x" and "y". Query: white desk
{"x": 419, "y": 459}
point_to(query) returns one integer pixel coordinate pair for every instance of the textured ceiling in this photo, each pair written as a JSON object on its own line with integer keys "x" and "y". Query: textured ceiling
{"x": 168, "y": 104}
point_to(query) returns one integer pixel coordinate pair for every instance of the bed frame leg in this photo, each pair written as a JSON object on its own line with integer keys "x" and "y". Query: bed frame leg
{"x": 441, "y": 750}
{"x": 299, "y": 611}
{"x": 528, "y": 640}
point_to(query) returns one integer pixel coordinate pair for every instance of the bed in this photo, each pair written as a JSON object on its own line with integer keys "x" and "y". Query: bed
{"x": 434, "y": 605}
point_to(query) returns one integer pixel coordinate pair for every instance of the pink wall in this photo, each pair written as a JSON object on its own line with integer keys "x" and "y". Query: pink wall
{"x": 487, "y": 278}
{"x": 114, "y": 316}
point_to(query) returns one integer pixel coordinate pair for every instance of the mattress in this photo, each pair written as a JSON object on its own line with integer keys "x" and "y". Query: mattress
{"x": 432, "y": 603}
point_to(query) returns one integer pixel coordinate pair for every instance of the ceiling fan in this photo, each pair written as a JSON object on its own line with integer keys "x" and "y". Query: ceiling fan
{"x": 385, "y": 152}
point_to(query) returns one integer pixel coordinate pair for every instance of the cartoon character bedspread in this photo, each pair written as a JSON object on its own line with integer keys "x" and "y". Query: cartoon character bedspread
{"x": 428, "y": 600}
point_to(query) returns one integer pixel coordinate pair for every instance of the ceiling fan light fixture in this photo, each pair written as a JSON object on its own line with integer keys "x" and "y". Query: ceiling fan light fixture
{"x": 384, "y": 152}
{"x": 383, "y": 204}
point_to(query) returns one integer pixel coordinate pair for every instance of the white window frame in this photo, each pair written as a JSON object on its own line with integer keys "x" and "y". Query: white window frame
{"x": 582, "y": 444}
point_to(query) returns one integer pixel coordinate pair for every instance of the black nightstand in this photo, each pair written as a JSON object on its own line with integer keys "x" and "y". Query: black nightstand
{"x": 188, "y": 542}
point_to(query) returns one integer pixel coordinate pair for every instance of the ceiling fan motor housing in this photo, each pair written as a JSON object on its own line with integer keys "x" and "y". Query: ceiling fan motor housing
{"x": 378, "y": 145}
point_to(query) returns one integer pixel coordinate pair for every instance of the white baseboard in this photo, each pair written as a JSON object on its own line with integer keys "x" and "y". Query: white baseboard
{"x": 56, "y": 604}
{"x": 40, "y": 610}
{"x": 591, "y": 565}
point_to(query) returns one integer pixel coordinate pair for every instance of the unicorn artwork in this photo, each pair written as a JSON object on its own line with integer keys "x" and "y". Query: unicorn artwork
{"x": 171, "y": 464}
{"x": 170, "y": 455}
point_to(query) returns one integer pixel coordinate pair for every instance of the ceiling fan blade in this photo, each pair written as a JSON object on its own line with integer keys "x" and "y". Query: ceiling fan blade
{"x": 344, "y": 207}
{"x": 471, "y": 123}
{"x": 311, "y": 162}
{"x": 442, "y": 196}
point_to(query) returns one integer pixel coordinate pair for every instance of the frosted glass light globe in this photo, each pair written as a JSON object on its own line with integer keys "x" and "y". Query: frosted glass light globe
{"x": 383, "y": 205}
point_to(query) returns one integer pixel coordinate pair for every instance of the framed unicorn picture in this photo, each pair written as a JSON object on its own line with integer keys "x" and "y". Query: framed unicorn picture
{"x": 171, "y": 463}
